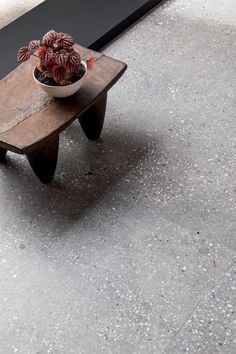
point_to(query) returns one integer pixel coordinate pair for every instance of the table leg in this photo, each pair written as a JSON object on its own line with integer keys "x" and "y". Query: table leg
{"x": 92, "y": 120}
{"x": 43, "y": 160}
{"x": 2, "y": 153}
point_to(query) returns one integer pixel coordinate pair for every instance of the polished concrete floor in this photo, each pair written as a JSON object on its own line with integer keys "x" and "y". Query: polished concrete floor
{"x": 132, "y": 248}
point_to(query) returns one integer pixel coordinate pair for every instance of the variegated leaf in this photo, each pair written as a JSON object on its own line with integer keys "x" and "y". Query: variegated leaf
{"x": 74, "y": 58}
{"x": 23, "y": 54}
{"x": 34, "y": 45}
{"x": 61, "y": 57}
{"x": 66, "y": 40}
{"x": 51, "y": 35}
{"x": 46, "y": 42}
{"x": 49, "y": 54}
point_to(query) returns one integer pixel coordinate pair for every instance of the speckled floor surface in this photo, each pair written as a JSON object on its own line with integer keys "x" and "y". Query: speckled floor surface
{"x": 132, "y": 249}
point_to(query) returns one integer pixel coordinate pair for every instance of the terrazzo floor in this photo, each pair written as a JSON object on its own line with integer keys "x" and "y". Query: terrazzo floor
{"x": 132, "y": 248}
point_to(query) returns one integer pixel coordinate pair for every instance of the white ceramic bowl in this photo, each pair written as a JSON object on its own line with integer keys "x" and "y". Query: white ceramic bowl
{"x": 62, "y": 91}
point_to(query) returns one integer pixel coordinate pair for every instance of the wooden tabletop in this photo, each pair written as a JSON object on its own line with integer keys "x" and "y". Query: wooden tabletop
{"x": 29, "y": 116}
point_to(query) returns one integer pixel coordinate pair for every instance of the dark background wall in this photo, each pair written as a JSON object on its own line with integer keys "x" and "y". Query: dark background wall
{"x": 92, "y": 23}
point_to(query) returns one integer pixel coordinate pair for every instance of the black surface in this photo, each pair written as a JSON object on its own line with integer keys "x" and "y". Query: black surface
{"x": 92, "y": 24}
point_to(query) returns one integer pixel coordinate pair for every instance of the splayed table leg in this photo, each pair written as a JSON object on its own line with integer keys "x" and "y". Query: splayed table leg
{"x": 43, "y": 160}
{"x": 2, "y": 153}
{"x": 92, "y": 120}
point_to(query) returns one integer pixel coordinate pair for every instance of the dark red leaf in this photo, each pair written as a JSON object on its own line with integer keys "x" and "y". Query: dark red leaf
{"x": 70, "y": 68}
{"x": 50, "y": 63}
{"x": 41, "y": 68}
{"x": 90, "y": 63}
{"x": 42, "y": 53}
{"x": 59, "y": 73}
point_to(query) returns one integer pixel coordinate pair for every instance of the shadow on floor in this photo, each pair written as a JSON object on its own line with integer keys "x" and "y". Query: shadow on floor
{"x": 88, "y": 173}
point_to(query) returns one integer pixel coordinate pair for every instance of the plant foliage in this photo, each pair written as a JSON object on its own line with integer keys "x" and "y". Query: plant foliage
{"x": 57, "y": 57}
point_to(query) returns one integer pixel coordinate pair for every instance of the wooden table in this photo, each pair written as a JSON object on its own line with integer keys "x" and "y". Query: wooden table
{"x": 31, "y": 121}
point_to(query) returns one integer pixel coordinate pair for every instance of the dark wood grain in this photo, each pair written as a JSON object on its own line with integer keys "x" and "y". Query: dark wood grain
{"x": 93, "y": 119}
{"x": 44, "y": 159}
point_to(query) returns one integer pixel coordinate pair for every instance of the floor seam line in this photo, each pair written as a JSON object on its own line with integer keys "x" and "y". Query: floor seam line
{"x": 200, "y": 300}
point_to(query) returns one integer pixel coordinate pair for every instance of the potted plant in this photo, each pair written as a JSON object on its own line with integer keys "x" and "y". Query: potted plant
{"x": 60, "y": 71}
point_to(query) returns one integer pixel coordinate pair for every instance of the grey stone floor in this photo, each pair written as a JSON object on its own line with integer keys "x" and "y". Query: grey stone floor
{"x": 132, "y": 248}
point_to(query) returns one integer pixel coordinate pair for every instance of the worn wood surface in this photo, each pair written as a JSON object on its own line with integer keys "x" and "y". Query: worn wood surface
{"x": 43, "y": 160}
{"x": 29, "y": 116}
